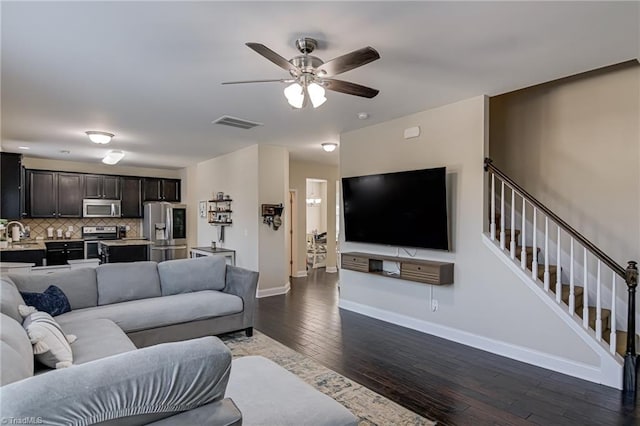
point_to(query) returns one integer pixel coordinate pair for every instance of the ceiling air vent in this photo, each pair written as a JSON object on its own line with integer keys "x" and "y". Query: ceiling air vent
{"x": 227, "y": 120}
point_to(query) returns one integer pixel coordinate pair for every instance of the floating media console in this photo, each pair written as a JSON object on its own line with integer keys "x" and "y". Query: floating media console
{"x": 422, "y": 271}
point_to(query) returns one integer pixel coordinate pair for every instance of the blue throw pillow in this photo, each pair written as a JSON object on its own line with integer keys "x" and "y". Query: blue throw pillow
{"x": 53, "y": 301}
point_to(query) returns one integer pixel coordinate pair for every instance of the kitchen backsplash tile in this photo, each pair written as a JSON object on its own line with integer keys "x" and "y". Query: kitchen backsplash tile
{"x": 39, "y": 226}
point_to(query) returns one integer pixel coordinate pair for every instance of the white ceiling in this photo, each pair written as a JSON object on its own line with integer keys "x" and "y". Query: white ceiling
{"x": 150, "y": 72}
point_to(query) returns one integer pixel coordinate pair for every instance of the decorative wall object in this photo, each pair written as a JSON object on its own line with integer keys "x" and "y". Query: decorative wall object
{"x": 271, "y": 215}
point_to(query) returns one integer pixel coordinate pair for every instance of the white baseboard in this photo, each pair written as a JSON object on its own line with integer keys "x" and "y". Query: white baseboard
{"x": 551, "y": 362}
{"x": 331, "y": 269}
{"x": 276, "y": 291}
{"x": 300, "y": 274}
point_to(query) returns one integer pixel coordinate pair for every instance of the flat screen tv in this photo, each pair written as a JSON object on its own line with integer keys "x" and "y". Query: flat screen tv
{"x": 406, "y": 209}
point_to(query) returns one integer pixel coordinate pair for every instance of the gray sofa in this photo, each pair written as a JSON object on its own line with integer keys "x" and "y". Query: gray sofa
{"x": 140, "y": 357}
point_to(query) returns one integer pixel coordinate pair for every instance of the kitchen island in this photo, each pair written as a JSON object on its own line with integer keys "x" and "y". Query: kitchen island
{"x": 125, "y": 250}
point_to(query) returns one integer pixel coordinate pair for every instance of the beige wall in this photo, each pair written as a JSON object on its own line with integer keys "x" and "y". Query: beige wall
{"x": 99, "y": 168}
{"x": 299, "y": 172}
{"x": 575, "y": 145}
{"x": 487, "y": 302}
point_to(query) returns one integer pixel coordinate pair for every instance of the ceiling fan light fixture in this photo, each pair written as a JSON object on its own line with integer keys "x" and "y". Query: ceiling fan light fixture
{"x": 294, "y": 95}
{"x": 99, "y": 137}
{"x": 316, "y": 94}
{"x": 329, "y": 146}
{"x": 113, "y": 157}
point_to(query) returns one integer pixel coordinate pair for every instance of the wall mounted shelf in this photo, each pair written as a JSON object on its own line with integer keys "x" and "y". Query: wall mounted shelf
{"x": 419, "y": 270}
{"x": 219, "y": 212}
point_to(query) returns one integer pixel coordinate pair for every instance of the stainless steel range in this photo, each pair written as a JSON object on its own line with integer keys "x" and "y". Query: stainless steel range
{"x": 92, "y": 236}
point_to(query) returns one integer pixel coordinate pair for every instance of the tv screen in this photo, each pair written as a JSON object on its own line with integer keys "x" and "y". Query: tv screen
{"x": 407, "y": 209}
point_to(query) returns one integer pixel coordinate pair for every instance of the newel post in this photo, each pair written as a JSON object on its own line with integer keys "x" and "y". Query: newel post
{"x": 630, "y": 371}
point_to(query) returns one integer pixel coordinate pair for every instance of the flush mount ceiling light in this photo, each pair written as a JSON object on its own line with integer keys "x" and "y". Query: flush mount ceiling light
{"x": 329, "y": 146}
{"x": 99, "y": 137}
{"x": 310, "y": 76}
{"x": 113, "y": 157}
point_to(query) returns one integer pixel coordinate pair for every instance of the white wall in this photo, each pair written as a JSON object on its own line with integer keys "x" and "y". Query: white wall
{"x": 98, "y": 167}
{"x": 251, "y": 176}
{"x": 235, "y": 174}
{"x": 273, "y": 178}
{"x": 486, "y": 303}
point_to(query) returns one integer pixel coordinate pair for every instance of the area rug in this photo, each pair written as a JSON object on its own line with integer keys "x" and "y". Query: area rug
{"x": 371, "y": 408}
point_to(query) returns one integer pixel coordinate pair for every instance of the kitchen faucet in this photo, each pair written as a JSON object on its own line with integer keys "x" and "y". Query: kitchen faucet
{"x": 16, "y": 223}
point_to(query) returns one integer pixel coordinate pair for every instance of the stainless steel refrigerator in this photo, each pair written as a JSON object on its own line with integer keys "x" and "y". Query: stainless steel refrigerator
{"x": 165, "y": 224}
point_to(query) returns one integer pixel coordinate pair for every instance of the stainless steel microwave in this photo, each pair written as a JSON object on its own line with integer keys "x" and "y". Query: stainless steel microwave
{"x": 100, "y": 208}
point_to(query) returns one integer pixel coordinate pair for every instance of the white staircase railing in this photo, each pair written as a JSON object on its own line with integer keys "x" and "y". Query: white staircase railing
{"x": 585, "y": 267}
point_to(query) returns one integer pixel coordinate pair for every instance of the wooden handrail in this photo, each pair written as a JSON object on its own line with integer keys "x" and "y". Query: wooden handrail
{"x": 615, "y": 267}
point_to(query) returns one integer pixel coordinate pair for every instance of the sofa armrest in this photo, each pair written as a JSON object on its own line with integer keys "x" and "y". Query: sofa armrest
{"x": 219, "y": 413}
{"x": 144, "y": 385}
{"x": 243, "y": 283}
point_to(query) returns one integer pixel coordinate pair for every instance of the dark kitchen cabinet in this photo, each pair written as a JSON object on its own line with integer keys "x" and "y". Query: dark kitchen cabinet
{"x": 43, "y": 193}
{"x": 54, "y": 194}
{"x": 131, "y": 196}
{"x": 26, "y": 256}
{"x": 11, "y": 181}
{"x": 59, "y": 252}
{"x": 124, "y": 253}
{"x": 70, "y": 195}
{"x": 156, "y": 189}
{"x": 102, "y": 186}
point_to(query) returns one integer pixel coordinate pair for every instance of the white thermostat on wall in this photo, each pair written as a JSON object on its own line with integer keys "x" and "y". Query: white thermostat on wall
{"x": 412, "y": 132}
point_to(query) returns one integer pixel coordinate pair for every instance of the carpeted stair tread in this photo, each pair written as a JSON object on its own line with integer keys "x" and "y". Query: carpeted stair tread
{"x": 621, "y": 341}
{"x": 606, "y": 314}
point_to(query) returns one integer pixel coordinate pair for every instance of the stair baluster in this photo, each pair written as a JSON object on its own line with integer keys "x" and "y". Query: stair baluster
{"x": 613, "y": 344}
{"x": 546, "y": 254}
{"x": 534, "y": 254}
{"x": 598, "y": 306}
{"x": 502, "y": 233}
{"x": 558, "y": 274}
{"x": 572, "y": 284}
{"x": 493, "y": 207}
{"x": 523, "y": 252}
{"x": 585, "y": 292}
{"x": 512, "y": 246}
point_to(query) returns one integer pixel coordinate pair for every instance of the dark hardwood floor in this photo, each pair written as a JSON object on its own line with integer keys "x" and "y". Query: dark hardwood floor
{"x": 441, "y": 380}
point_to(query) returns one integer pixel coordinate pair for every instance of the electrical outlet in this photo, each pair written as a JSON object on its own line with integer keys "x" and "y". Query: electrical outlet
{"x": 434, "y": 305}
{"x": 70, "y": 228}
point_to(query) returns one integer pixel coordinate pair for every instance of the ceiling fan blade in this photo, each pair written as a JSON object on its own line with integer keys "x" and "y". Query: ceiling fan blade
{"x": 347, "y": 62}
{"x": 278, "y": 80}
{"x": 349, "y": 88}
{"x": 273, "y": 57}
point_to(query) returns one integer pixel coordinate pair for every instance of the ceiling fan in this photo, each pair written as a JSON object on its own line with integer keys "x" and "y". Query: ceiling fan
{"x": 310, "y": 76}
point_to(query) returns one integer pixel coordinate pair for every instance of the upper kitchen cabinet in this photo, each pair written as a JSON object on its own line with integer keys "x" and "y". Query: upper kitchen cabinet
{"x": 11, "y": 181}
{"x": 54, "y": 194}
{"x": 156, "y": 189}
{"x": 131, "y": 196}
{"x": 102, "y": 186}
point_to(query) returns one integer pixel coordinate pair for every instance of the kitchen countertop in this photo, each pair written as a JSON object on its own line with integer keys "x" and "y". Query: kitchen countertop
{"x": 24, "y": 245}
{"x": 127, "y": 242}
{"x": 213, "y": 250}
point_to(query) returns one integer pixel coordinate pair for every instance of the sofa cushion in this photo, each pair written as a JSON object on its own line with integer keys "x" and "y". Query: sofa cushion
{"x": 78, "y": 284}
{"x": 188, "y": 275}
{"x": 50, "y": 344}
{"x": 10, "y": 299}
{"x": 16, "y": 352}
{"x": 96, "y": 338}
{"x": 136, "y": 387}
{"x": 258, "y": 387}
{"x": 121, "y": 282}
{"x": 155, "y": 312}
{"x": 52, "y": 301}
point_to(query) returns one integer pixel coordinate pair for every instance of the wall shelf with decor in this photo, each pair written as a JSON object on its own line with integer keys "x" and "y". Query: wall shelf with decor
{"x": 419, "y": 270}
{"x": 219, "y": 212}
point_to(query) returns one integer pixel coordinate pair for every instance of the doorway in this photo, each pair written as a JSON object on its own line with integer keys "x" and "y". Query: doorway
{"x": 316, "y": 228}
